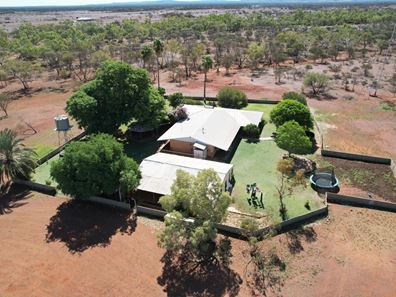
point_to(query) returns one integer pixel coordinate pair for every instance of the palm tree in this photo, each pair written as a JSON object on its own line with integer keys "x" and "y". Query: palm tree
{"x": 158, "y": 48}
{"x": 15, "y": 159}
{"x": 207, "y": 63}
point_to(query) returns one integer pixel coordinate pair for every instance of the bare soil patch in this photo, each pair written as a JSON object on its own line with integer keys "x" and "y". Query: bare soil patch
{"x": 373, "y": 180}
{"x": 333, "y": 257}
{"x": 262, "y": 87}
{"x": 38, "y": 108}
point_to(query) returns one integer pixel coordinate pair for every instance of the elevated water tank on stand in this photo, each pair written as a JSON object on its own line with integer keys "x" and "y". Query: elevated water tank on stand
{"x": 62, "y": 124}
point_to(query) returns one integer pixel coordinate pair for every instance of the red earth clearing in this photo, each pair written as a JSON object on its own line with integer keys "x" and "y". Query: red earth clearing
{"x": 54, "y": 247}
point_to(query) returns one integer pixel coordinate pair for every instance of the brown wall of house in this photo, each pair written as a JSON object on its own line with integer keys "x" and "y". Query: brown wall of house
{"x": 181, "y": 146}
{"x": 187, "y": 148}
{"x": 211, "y": 151}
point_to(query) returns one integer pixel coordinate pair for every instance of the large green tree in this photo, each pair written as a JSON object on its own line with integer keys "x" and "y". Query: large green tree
{"x": 16, "y": 160}
{"x": 120, "y": 93}
{"x": 292, "y": 138}
{"x": 95, "y": 166}
{"x": 288, "y": 110}
{"x": 202, "y": 199}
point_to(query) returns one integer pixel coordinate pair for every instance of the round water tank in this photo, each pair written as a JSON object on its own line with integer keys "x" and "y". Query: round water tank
{"x": 62, "y": 123}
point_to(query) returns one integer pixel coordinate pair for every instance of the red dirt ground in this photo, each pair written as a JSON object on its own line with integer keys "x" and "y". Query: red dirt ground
{"x": 53, "y": 248}
{"x": 38, "y": 109}
{"x": 360, "y": 125}
{"x": 256, "y": 88}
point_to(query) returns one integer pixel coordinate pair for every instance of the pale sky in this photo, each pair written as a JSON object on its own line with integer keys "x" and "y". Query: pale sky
{"x": 4, "y": 3}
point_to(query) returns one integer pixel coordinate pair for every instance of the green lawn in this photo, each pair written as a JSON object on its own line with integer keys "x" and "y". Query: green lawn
{"x": 42, "y": 173}
{"x": 42, "y": 150}
{"x": 140, "y": 150}
{"x": 256, "y": 163}
{"x": 265, "y": 109}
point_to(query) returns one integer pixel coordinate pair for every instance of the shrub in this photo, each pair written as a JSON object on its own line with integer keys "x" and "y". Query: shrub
{"x": 292, "y": 138}
{"x": 251, "y": 131}
{"x": 161, "y": 91}
{"x": 231, "y": 98}
{"x": 190, "y": 101}
{"x": 335, "y": 67}
{"x": 318, "y": 82}
{"x": 176, "y": 99}
{"x": 288, "y": 110}
{"x": 295, "y": 96}
{"x": 262, "y": 123}
{"x": 180, "y": 114}
{"x": 250, "y": 225}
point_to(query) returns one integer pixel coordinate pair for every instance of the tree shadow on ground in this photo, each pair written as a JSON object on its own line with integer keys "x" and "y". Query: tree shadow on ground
{"x": 12, "y": 197}
{"x": 82, "y": 225}
{"x": 265, "y": 274}
{"x": 296, "y": 236}
{"x": 179, "y": 278}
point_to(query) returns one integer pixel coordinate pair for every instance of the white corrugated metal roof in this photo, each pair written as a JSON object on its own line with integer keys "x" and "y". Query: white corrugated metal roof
{"x": 212, "y": 126}
{"x": 159, "y": 171}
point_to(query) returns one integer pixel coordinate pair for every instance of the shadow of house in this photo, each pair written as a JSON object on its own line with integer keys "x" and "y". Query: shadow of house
{"x": 13, "y": 198}
{"x": 82, "y": 225}
{"x": 179, "y": 278}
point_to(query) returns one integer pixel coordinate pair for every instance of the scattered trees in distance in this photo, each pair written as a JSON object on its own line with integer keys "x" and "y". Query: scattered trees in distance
{"x": 256, "y": 39}
{"x": 5, "y": 100}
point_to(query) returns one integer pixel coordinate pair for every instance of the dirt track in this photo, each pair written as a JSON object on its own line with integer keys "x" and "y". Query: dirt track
{"x": 51, "y": 248}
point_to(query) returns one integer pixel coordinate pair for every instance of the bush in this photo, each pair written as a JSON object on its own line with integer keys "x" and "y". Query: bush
{"x": 288, "y": 110}
{"x": 190, "y": 101}
{"x": 292, "y": 138}
{"x": 180, "y": 114}
{"x": 251, "y": 131}
{"x": 295, "y": 96}
{"x": 161, "y": 91}
{"x": 231, "y": 98}
{"x": 176, "y": 99}
{"x": 318, "y": 82}
{"x": 262, "y": 123}
{"x": 251, "y": 225}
